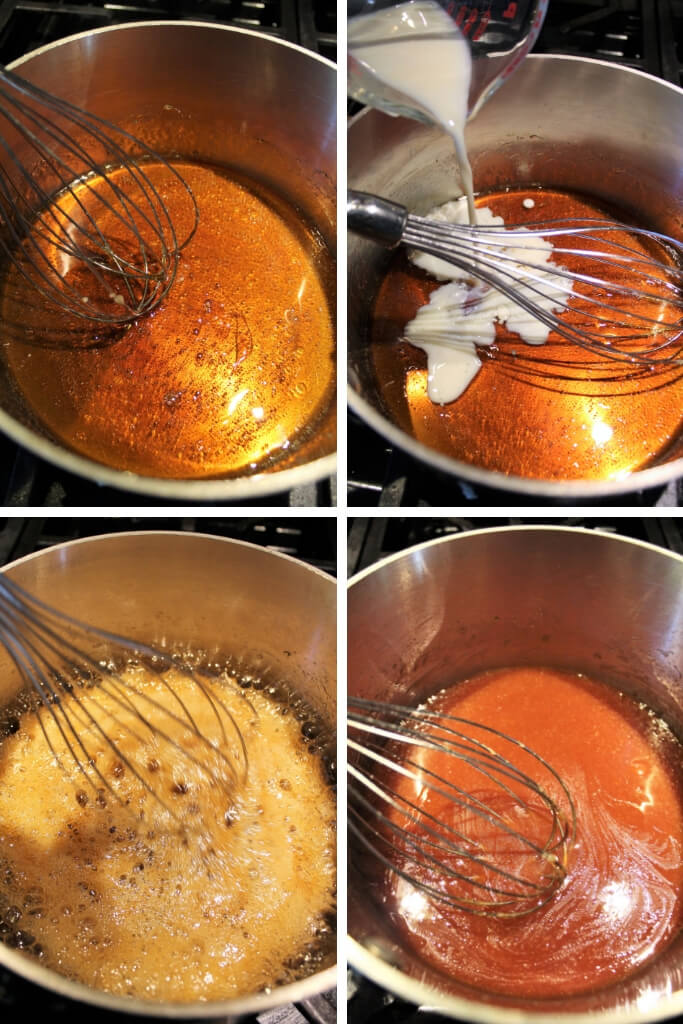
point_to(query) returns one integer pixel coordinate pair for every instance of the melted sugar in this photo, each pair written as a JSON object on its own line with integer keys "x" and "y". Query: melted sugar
{"x": 230, "y": 375}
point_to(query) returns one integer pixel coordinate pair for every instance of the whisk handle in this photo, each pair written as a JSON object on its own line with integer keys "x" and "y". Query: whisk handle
{"x": 375, "y": 218}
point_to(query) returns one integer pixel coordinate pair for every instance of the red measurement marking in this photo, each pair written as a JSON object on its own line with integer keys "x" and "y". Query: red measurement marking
{"x": 485, "y": 18}
{"x": 466, "y": 18}
{"x": 510, "y": 11}
{"x": 467, "y": 27}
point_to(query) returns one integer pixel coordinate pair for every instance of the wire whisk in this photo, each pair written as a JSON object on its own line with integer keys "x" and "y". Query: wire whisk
{"x": 619, "y": 294}
{"x": 126, "y": 722}
{"x": 459, "y": 812}
{"x": 82, "y": 222}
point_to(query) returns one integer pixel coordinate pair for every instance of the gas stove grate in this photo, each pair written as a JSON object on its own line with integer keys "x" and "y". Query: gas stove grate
{"x": 369, "y": 1004}
{"x": 623, "y": 31}
{"x": 311, "y": 540}
{"x": 26, "y": 24}
{"x": 318, "y": 26}
{"x": 671, "y": 33}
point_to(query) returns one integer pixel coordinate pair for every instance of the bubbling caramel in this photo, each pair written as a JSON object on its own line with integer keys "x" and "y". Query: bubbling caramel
{"x": 120, "y": 904}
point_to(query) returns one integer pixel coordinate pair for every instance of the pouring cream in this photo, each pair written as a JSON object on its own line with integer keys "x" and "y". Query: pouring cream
{"x": 412, "y": 59}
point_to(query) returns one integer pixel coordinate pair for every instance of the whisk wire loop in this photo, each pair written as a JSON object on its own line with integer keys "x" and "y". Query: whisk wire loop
{"x": 616, "y": 292}
{"x": 471, "y": 751}
{"x": 431, "y": 825}
{"x": 534, "y": 288}
{"x": 27, "y": 660}
{"x": 478, "y": 243}
{"x": 57, "y": 656}
{"x": 57, "y": 180}
{"x": 408, "y": 845}
{"x": 422, "y": 776}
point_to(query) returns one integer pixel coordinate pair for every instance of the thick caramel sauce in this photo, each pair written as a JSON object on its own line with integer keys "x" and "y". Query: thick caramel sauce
{"x": 620, "y": 903}
{"x": 228, "y": 376}
{"x": 104, "y": 894}
{"x": 553, "y": 412}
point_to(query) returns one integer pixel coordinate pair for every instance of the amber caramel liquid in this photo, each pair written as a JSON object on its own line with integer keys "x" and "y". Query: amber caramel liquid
{"x": 230, "y": 375}
{"x": 553, "y": 412}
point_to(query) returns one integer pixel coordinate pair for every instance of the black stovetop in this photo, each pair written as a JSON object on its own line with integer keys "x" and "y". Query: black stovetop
{"x": 26, "y": 24}
{"x": 25, "y": 479}
{"x": 312, "y": 540}
{"x": 371, "y": 539}
{"x": 642, "y": 34}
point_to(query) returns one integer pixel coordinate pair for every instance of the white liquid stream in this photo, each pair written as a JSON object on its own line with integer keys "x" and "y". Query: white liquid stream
{"x": 423, "y": 61}
{"x": 418, "y": 59}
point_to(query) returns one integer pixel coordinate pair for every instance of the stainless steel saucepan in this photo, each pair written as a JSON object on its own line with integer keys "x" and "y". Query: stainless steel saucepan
{"x": 578, "y": 125}
{"x": 565, "y": 598}
{"x": 218, "y": 596}
{"x": 263, "y": 107}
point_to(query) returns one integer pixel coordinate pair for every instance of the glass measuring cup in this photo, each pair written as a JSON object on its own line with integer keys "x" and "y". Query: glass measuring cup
{"x": 499, "y": 34}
